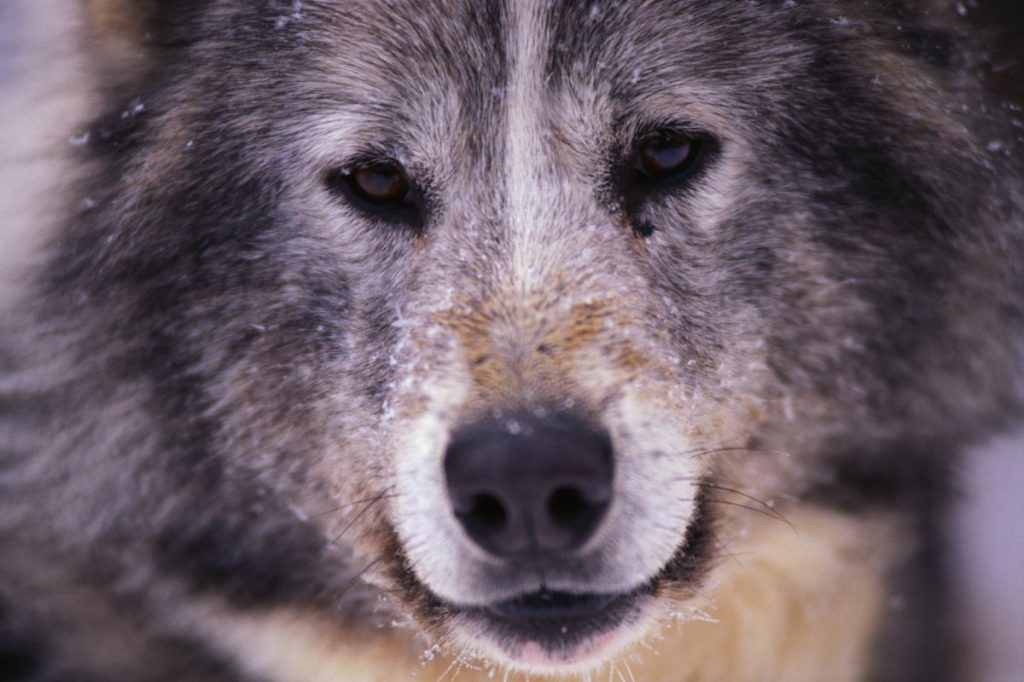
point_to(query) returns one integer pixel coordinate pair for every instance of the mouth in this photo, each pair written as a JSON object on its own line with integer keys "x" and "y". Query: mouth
{"x": 547, "y": 629}
{"x": 563, "y": 632}
{"x": 556, "y": 606}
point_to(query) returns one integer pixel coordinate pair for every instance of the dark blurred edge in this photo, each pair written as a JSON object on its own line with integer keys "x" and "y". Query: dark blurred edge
{"x": 1003, "y": 22}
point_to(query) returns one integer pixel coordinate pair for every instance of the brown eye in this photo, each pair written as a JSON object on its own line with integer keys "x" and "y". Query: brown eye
{"x": 380, "y": 189}
{"x": 380, "y": 183}
{"x": 665, "y": 154}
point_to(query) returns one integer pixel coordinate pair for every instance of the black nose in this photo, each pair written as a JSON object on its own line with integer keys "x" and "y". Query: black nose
{"x": 529, "y": 487}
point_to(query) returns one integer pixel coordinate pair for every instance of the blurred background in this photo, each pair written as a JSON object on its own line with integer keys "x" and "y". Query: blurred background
{"x": 38, "y": 99}
{"x": 988, "y": 525}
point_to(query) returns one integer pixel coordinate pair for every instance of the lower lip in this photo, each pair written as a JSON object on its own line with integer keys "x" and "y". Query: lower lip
{"x": 560, "y": 637}
{"x": 536, "y": 655}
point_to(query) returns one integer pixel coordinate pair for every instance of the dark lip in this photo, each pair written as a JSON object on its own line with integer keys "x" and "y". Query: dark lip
{"x": 545, "y": 605}
{"x": 558, "y": 621}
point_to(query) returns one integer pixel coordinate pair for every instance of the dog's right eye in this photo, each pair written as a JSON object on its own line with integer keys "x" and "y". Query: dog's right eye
{"x": 379, "y": 188}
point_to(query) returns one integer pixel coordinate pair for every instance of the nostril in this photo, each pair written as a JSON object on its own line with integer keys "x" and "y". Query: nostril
{"x": 486, "y": 511}
{"x": 567, "y": 507}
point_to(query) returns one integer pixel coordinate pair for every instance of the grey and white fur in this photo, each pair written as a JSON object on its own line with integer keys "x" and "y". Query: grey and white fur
{"x": 228, "y": 387}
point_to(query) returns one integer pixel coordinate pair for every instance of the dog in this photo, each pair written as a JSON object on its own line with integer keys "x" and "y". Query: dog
{"x": 563, "y": 339}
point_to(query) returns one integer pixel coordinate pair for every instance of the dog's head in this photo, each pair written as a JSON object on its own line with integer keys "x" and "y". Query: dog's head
{"x": 501, "y": 283}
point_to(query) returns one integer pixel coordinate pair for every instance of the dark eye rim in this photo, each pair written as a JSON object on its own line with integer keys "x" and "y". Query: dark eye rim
{"x": 409, "y": 210}
{"x": 637, "y": 190}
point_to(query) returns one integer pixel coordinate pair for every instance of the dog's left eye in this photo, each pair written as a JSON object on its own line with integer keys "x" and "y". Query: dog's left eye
{"x": 664, "y": 155}
{"x": 380, "y": 183}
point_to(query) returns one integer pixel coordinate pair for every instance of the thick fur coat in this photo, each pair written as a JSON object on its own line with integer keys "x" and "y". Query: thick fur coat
{"x": 229, "y": 385}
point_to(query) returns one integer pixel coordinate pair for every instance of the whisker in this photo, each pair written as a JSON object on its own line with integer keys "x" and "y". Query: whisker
{"x": 356, "y": 502}
{"x": 757, "y": 510}
{"x": 704, "y": 452}
{"x": 455, "y": 661}
{"x": 722, "y": 546}
{"x": 354, "y": 519}
{"x": 358, "y": 576}
{"x": 647, "y": 645}
{"x": 771, "y": 508}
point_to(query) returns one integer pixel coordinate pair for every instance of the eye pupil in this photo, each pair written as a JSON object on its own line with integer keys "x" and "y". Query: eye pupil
{"x": 380, "y": 183}
{"x": 664, "y": 154}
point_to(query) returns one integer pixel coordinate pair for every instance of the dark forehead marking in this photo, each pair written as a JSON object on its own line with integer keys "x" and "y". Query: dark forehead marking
{"x": 580, "y": 30}
{"x": 715, "y": 37}
{"x": 462, "y": 43}
{"x": 635, "y": 49}
{"x": 489, "y": 22}
{"x": 416, "y": 53}
{"x": 622, "y": 36}
{"x": 404, "y": 46}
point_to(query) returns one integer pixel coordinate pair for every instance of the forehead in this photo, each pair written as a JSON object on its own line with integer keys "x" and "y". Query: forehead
{"x": 401, "y": 53}
{"x": 396, "y": 53}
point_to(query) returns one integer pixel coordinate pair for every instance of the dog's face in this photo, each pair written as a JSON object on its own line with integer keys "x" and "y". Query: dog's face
{"x": 501, "y": 280}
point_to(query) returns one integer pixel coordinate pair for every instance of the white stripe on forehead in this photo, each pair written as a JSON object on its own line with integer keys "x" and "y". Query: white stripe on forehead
{"x": 525, "y": 154}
